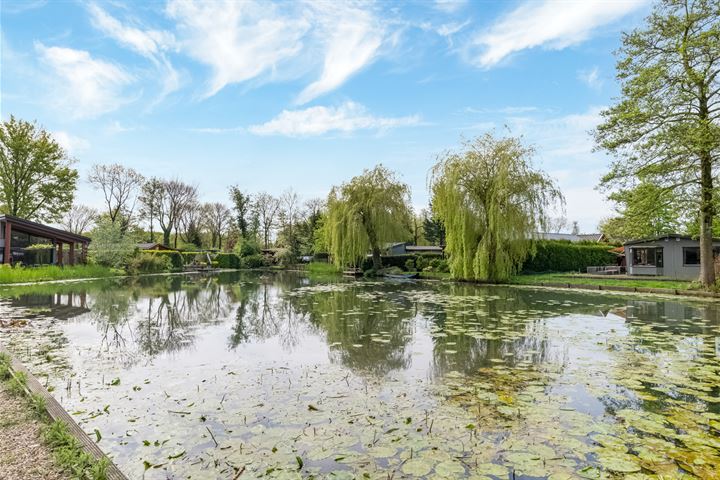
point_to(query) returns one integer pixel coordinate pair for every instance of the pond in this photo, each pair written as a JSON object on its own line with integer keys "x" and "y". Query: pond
{"x": 246, "y": 375}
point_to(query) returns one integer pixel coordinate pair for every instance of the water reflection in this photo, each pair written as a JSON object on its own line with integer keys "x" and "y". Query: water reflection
{"x": 503, "y": 369}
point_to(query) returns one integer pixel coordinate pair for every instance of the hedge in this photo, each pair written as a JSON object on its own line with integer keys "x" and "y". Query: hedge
{"x": 176, "y": 259}
{"x": 399, "y": 261}
{"x": 564, "y": 256}
{"x": 227, "y": 260}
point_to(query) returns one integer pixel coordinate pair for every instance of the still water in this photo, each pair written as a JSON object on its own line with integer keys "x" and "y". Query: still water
{"x": 245, "y": 375}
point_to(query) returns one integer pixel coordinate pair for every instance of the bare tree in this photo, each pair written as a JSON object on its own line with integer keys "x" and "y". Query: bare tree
{"x": 557, "y": 224}
{"x": 79, "y": 219}
{"x": 289, "y": 213}
{"x": 266, "y": 207}
{"x": 150, "y": 198}
{"x": 217, "y": 219}
{"x": 119, "y": 186}
{"x": 176, "y": 196}
{"x": 189, "y": 224}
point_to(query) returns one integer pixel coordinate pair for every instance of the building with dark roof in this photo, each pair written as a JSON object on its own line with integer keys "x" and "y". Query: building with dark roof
{"x": 32, "y": 243}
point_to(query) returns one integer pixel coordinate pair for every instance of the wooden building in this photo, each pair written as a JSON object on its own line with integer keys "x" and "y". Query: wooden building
{"x": 32, "y": 243}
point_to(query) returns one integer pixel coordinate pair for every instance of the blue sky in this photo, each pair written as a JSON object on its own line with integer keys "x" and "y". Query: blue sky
{"x": 305, "y": 95}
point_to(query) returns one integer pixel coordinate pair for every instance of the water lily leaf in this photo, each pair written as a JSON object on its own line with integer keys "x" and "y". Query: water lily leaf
{"x": 417, "y": 466}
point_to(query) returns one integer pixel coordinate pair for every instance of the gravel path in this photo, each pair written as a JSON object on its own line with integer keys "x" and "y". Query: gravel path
{"x": 22, "y": 453}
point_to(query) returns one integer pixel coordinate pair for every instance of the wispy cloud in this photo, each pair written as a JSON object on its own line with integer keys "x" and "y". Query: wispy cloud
{"x": 239, "y": 41}
{"x": 70, "y": 143}
{"x": 450, "y": 6}
{"x": 544, "y": 23}
{"x": 149, "y": 43}
{"x": 84, "y": 86}
{"x": 352, "y": 38}
{"x": 591, "y": 78}
{"x": 261, "y": 41}
{"x": 216, "y": 131}
{"x": 346, "y": 118}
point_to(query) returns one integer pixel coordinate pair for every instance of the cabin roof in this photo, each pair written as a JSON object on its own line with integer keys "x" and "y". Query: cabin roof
{"x": 41, "y": 230}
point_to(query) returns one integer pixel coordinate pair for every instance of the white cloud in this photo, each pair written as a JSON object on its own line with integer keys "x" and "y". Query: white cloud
{"x": 348, "y": 117}
{"x": 84, "y": 87}
{"x": 449, "y": 29}
{"x": 239, "y": 41}
{"x": 352, "y": 38}
{"x": 547, "y": 23}
{"x": 151, "y": 44}
{"x": 591, "y": 78}
{"x": 70, "y": 143}
{"x": 450, "y": 6}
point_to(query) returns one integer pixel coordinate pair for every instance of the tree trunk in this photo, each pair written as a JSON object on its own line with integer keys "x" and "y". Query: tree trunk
{"x": 166, "y": 238}
{"x": 377, "y": 261}
{"x": 707, "y": 267}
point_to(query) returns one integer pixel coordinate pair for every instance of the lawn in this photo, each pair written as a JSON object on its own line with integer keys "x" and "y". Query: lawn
{"x": 10, "y": 275}
{"x": 535, "y": 279}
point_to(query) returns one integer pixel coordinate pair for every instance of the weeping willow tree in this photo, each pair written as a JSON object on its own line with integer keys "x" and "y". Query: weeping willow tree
{"x": 492, "y": 202}
{"x": 369, "y": 210}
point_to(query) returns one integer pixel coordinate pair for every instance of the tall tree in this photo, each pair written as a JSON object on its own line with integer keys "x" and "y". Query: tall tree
{"x": 433, "y": 227}
{"x": 369, "y": 210}
{"x": 242, "y": 205}
{"x": 266, "y": 208}
{"x": 190, "y": 224}
{"x": 151, "y": 195}
{"x": 492, "y": 202}
{"x": 289, "y": 214}
{"x": 79, "y": 219}
{"x": 176, "y": 197}
{"x": 645, "y": 210}
{"x": 217, "y": 219}
{"x": 37, "y": 181}
{"x": 666, "y": 126}
{"x": 119, "y": 186}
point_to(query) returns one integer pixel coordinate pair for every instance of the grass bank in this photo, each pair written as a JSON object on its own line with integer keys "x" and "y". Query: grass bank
{"x": 575, "y": 279}
{"x": 24, "y": 421}
{"x": 52, "y": 272}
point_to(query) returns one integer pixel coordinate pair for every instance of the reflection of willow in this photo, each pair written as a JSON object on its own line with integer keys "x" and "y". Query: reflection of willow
{"x": 349, "y": 320}
{"x": 263, "y": 313}
{"x": 525, "y": 338}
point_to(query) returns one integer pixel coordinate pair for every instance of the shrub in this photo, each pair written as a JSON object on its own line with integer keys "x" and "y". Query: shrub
{"x": 397, "y": 260}
{"x": 176, "y": 259}
{"x": 564, "y": 256}
{"x": 421, "y": 262}
{"x": 246, "y": 248}
{"x": 149, "y": 263}
{"x": 285, "y": 257}
{"x": 110, "y": 246}
{"x": 410, "y": 264}
{"x": 227, "y": 260}
{"x": 253, "y": 261}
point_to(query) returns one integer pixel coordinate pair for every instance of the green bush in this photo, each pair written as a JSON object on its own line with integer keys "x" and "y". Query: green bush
{"x": 285, "y": 257}
{"x": 246, "y": 248}
{"x": 176, "y": 259}
{"x": 410, "y": 265}
{"x": 438, "y": 265}
{"x": 149, "y": 263}
{"x": 227, "y": 260}
{"x": 253, "y": 261}
{"x": 564, "y": 256}
{"x": 397, "y": 260}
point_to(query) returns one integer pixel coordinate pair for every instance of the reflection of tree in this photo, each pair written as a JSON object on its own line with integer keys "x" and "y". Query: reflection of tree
{"x": 366, "y": 333}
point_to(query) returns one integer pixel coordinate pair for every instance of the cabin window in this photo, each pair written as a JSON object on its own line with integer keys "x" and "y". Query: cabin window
{"x": 647, "y": 257}
{"x": 691, "y": 256}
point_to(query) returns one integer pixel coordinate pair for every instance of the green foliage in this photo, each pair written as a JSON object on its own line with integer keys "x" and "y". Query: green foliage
{"x": 400, "y": 261}
{"x": 38, "y": 404}
{"x": 20, "y": 274}
{"x": 17, "y": 383}
{"x": 227, "y": 260}
{"x": 285, "y": 257}
{"x": 321, "y": 268}
{"x": 176, "y": 259}
{"x": 645, "y": 210}
{"x": 253, "y": 261}
{"x": 665, "y": 127}
{"x": 434, "y": 229}
{"x": 241, "y": 205}
{"x": 247, "y": 247}
{"x": 36, "y": 178}
{"x": 70, "y": 455}
{"x": 561, "y": 256}
{"x": 4, "y": 366}
{"x": 364, "y": 213}
{"x": 146, "y": 262}
{"x": 492, "y": 202}
{"x": 111, "y": 246}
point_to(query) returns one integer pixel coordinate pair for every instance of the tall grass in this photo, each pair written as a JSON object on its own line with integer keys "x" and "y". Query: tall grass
{"x": 53, "y": 272}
